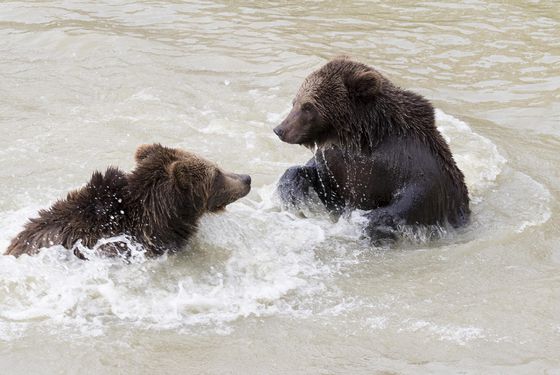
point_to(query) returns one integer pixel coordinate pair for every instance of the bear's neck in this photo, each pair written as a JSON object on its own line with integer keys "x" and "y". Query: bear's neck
{"x": 160, "y": 220}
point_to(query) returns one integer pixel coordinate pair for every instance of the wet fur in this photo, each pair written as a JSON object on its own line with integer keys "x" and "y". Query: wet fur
{"x": 157, "y": 205}
{"x": 378, "y": 150}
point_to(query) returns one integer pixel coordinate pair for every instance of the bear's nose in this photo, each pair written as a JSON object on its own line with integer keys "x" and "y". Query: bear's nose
{"x": 246, "y": 179}
{"x": 278, "y": 131}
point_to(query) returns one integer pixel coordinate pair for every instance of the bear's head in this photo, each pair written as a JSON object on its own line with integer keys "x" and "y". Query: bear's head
{"x": 174, "y": 184}
{"x": 329, "y": 103}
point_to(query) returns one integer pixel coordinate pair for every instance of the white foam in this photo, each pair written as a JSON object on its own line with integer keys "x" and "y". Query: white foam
{"x": 145, "y": 95}
{"x": 476, "y": 156}
{"x": 265, "y": 257}
{"x": 377, "y": 322}
{"x": 453, "y": 333}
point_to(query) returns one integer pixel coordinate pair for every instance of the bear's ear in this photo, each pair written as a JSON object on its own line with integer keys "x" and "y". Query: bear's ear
{"x": 143, "y": 151}
{"x": 363, "y": 84}
{"x": 188, "y": 174}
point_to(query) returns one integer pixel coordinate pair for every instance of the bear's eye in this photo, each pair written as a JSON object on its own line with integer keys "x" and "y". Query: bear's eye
{"x": 306, "y": 107}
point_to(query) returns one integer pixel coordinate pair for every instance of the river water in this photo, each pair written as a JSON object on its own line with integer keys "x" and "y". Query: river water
{"x": 260, "y": 290}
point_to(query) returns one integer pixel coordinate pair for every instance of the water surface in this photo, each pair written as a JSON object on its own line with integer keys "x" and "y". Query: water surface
{"x": 260, "y": 290}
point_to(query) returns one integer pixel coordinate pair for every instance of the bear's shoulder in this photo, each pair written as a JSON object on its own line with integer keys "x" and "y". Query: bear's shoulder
{"x": 103, "y": 198}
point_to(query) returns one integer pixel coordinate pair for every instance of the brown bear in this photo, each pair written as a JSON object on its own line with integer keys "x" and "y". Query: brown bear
{"x": 376, "y": 148}
{"x": 157, "y": 205}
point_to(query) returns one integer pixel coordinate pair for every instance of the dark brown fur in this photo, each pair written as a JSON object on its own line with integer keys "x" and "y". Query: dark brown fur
{"x": 157, "y": 205}
{"x": 378, "y": 149}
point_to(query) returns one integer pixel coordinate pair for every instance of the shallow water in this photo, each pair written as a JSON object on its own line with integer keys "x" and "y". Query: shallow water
{"x": 261, "y": 290}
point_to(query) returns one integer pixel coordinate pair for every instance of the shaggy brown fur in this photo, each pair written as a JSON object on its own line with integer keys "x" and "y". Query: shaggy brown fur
{"x": 378, "y": 149}
{"x": 157, "y": 205}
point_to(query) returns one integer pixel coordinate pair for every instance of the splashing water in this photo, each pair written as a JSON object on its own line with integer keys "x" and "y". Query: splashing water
{"x": 254, "y": 260}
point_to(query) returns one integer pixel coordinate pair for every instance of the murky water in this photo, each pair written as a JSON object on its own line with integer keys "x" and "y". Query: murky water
{"x": 259, "y": 290}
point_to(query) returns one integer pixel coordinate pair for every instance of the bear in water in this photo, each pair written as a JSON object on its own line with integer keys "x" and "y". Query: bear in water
{"x": 376, "y": 148}
{"x": 157, "y": 205}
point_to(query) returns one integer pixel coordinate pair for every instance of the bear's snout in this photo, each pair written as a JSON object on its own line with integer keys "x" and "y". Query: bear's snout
{"x": 279, "y": 131}
{"x": 298, "y": 127}
{"x": 246, "y": 181}
{"x": 228, "y": 189}
{"x": 286, "y": 132}
{"x": 245, "y": 178}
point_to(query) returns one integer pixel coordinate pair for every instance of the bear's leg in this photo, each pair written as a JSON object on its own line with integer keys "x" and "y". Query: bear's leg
{"x": 301, "y": 185}
{"x": 382, "y": 227}
{"x": 405, "y": 208}
{"x": 298, "y": 184}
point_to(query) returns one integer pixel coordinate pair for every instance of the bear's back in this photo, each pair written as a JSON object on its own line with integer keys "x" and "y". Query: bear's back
{"x": 97, "y": 210}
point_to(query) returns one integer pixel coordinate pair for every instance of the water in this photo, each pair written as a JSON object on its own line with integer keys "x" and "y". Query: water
{"x": 260, "y": 290}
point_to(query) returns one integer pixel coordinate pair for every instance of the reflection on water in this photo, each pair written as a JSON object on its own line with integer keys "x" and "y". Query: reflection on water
{"x": 84, "y": 83}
